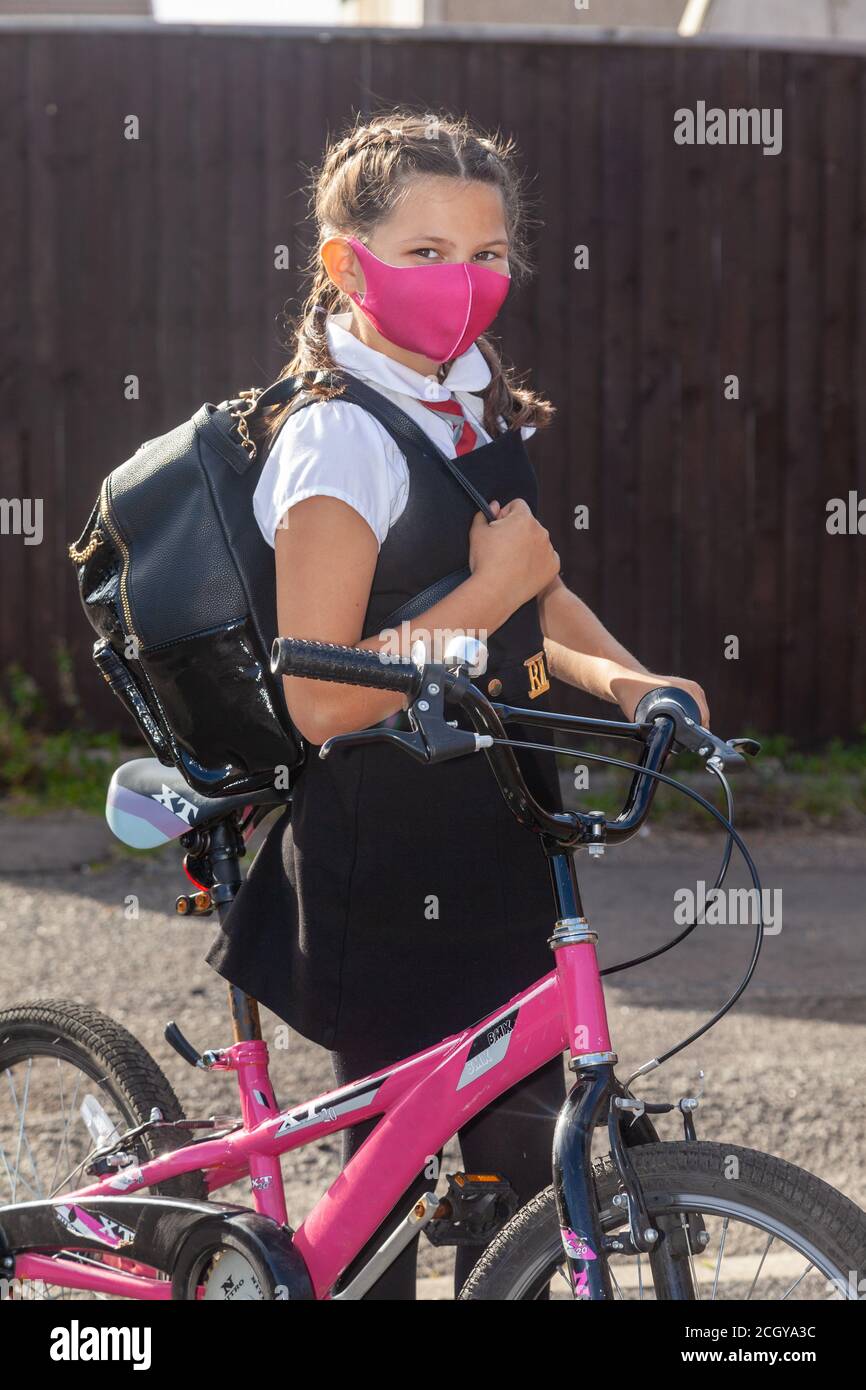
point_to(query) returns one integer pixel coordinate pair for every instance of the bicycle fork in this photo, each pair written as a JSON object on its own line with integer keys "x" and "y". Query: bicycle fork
{"x": 597, "y": 1097}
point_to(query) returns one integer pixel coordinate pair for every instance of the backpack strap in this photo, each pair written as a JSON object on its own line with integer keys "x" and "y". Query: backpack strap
{"x": 428, "y": 598}
{"x": 226, "y": 425}
{"x": 399, "y": 425}
{"x": 282, "y": 390}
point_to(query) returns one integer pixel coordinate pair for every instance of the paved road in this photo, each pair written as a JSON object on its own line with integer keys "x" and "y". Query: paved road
{"x": 786, "y": 1071}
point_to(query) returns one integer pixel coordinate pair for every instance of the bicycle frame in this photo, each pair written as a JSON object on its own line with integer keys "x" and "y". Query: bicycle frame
{"x": 421, "y": 1100}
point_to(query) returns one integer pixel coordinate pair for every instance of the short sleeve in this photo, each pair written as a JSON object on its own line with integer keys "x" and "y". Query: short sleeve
{"x": 333, "y": 449}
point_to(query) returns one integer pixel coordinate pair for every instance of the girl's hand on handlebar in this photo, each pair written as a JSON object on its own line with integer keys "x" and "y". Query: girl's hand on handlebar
{"x": 514, "y": 551}
{"x": 628, "y": 687}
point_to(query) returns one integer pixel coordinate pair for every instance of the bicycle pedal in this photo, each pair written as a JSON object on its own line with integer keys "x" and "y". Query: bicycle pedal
{"x": 474, "y": 1208}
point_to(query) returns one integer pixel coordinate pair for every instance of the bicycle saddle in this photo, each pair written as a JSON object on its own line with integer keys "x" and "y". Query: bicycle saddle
{"x": 149, "y": 804}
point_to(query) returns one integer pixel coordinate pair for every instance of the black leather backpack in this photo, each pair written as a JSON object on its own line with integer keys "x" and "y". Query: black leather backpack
{"x": 178, "y": 582}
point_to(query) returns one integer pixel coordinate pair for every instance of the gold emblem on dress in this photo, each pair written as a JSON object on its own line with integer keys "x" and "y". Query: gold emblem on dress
{"x": 537, "y": 672}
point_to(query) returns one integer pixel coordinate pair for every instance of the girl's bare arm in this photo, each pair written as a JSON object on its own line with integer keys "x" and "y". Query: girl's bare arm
{"x": 582, "y": 652}
{"x": 326, "y": 556}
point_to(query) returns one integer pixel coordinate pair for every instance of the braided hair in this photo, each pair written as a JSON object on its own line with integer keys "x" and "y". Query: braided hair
{"x": 358, "y": 184}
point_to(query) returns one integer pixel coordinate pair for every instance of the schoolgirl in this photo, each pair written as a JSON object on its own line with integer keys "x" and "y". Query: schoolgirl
{"x": 397, "y": 903}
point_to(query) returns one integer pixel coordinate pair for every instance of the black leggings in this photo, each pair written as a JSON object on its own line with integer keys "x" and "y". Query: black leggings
{"x": 512, "y": 1136}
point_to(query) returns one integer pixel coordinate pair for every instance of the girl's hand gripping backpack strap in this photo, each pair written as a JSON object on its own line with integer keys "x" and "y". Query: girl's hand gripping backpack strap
{"x": 402, "y": 424}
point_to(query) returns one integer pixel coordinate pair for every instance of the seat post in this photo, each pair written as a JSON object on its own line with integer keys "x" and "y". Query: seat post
{"x": 224, "y": 851}
{"x": 246, "y": 1025}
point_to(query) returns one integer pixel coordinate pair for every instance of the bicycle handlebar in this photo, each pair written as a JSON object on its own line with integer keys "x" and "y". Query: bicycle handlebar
{"x": 665, "y": 719}
{"x": 326, "y": 661}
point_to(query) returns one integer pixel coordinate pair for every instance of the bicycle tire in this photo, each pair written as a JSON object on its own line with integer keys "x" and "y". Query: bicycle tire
{"x": 79, "y": 1033}
{"x": 513, "y": 1265}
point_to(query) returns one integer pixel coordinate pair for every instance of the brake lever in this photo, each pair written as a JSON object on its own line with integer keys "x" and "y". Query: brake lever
{"x": 433, "y": 739}
{"x": 690, "y": 735}
{"x": 718, "y": 754}
{"x": 413, "y": 743}
{"x": 729, "y": 752}
{"x": 748, "y": 745}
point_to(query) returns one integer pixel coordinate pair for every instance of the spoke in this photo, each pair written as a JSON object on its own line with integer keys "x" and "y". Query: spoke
{"x": 770, "y": 1240}
{"x": 34, "y": 1192}
{"x": 22, "y": 1137}
{"x": 12, "y": 1182}
{"x": 739, "y": 1271}
{"x": 15, "y": 1177}
{"x": 721, "y": 1256}
{"x": 71, "y": 1173}
{"x": 64, "y": 1138}
{"x": 53, "y": 1181}
{"x": 797, "y": 1281}
{"x": 22, "y": 1113}
{"x": 697, "y": 1287}
{"x": 66, "y": 1181}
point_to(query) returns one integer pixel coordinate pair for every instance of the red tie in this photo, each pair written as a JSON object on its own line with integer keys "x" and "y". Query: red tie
{"x": 464, "y": 435}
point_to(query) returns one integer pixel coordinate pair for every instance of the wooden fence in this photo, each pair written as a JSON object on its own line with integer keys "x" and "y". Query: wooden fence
{"x": 707, "y": 514}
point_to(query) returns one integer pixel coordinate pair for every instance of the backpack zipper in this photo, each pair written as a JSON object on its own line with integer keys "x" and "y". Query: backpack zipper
{"x": 105, "y": 509}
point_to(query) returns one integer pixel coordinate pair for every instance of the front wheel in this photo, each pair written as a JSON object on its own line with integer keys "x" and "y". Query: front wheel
{"x": 749, "y": 1226}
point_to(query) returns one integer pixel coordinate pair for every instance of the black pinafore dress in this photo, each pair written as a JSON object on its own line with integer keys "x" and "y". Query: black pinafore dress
{"x": 395, "y": 903}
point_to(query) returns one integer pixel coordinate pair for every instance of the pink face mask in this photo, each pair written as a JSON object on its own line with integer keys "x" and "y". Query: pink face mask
{"x": 436, "y": 310}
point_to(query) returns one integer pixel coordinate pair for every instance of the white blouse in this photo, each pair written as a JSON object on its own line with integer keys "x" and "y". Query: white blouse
{"x": 337, "y": 449}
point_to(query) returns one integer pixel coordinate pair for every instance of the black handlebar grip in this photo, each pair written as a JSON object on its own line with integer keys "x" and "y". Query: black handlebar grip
{"x": 326, "y": 661}
{"x": 670, "y": 700}
{"x": 689, "y": 734}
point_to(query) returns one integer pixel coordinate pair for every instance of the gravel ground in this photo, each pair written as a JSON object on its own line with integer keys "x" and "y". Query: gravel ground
{"x": 785, "y": 1072}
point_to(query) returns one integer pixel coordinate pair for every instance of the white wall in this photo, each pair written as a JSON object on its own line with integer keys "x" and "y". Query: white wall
{"x": 807, "y": 19}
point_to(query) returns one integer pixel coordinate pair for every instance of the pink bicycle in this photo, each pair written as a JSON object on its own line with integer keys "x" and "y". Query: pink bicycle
{"x": 107, "y": 1189}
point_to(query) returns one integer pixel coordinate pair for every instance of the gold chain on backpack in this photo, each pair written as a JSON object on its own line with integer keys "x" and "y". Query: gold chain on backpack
{"x": 252, "y": 395}
{"x": 80, "y": 556}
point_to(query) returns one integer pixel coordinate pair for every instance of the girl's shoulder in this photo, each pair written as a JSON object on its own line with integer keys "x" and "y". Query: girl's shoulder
{"x": 332, "y": 448}
{"x": 329, "y": 422}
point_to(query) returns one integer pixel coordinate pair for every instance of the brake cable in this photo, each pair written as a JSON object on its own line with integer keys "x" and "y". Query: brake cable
{"x": 726, "y": 860}
{"x": 733, "y": 835}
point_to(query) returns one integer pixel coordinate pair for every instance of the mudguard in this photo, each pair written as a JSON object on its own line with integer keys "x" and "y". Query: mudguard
{"x": 168, "y": 1233}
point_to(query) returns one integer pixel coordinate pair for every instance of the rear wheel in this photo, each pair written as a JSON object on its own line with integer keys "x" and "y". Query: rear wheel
{"x": 72, "y": 1080}
{"x": 750, "y": 1227}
